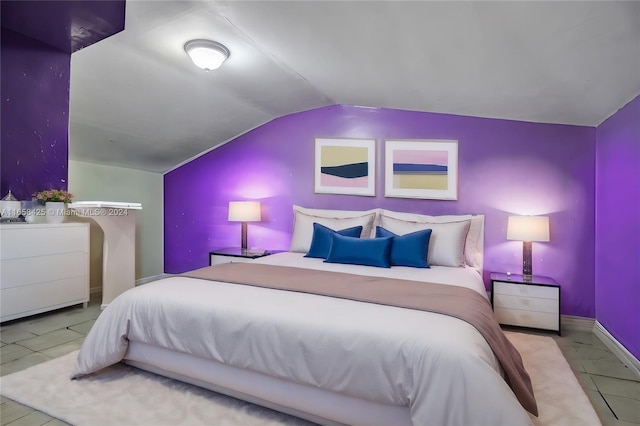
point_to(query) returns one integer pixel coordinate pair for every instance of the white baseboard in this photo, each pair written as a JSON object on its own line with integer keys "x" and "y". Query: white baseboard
{"x": 94, "y": 290}
{"x": 617, "y": 348}
{"x": 151, "y": 278}
{"x": 569, "y": 322}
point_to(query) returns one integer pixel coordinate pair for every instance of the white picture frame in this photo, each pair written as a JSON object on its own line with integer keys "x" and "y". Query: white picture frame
{"x": 426, "y": 169}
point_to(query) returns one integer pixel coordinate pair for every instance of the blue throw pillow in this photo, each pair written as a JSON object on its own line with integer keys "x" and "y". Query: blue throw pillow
{"x": 360, "y": 251}
{"x": 321, "y": 240}
{"x": 409, "y": 249}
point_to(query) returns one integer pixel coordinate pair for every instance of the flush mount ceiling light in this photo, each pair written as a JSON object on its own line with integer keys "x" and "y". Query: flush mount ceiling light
{"x": 206, "y": 54}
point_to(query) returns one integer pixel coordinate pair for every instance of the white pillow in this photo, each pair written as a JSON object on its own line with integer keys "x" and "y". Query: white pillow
{"x": 447, "y": 242}
{"x": 303, "y": 226}
{"x": 474, "y": 243}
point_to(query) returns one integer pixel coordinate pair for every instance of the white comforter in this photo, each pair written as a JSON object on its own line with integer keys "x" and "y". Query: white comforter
{"x": 438, "y": 366}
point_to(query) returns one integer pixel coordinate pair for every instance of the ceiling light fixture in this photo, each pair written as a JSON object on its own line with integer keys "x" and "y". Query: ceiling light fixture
{"x": 206, "y": 54}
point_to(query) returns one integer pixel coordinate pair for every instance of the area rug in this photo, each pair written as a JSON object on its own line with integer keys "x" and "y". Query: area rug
{"x": 123, "y": 395}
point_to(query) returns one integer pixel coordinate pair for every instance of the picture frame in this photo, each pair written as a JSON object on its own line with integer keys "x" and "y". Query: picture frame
{"x": 345, "y": 166}
{"x": 426, "y": 169}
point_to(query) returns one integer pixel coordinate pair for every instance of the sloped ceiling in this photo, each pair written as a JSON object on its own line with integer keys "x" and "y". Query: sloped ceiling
{"x": 137, "y": 101}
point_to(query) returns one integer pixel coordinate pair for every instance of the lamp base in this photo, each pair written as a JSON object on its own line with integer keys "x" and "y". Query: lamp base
{"x": 527, "y": 272}
{"x": 243, "y": 240}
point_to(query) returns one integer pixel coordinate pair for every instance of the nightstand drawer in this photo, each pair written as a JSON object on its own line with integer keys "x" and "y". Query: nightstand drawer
{"x": 515, "y": 289}
{"x": 215, "y": 259}
{"x": 532, "y": 319}
{"x": 526, "y": 303}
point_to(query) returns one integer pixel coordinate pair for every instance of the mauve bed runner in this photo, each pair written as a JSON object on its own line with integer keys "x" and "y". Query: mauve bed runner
{"x": 458, "y": 302}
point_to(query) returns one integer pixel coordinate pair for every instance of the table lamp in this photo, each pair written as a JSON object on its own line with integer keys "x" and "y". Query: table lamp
{"x": 244, "y": 211}
{"x": 527, "y": 229}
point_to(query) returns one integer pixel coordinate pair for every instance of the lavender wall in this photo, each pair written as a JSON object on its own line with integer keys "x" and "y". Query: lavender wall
{"x": 618, "y": 225}
{"x": 37, "y": 40}
{"x": 506, "y": 167}
{"x": 69, "y": 25}
{"x": 35, "y": 122}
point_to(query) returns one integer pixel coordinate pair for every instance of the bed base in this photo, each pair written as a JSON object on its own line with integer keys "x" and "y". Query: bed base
{"x": 307, "y": 402}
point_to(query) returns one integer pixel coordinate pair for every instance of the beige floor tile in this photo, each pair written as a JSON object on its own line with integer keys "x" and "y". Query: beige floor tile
{"x": 600, "y": 405}
{"x": 51, "y": 339}
{"x": 618, "y": 387}
{"x": 591, "y": 353}
{"x": 23, "y": 363}
{"x": 35, "y": 418}
{"x": 581, "y": 339}
{"x": 83, "y": 327}
{"x": 60, "y": 350}
{"x": 78, "y": 315}
{"x": 586, "y": 381}
{"x": 44, "y": 325}
{"x": 56, "y": 422}
{"x": 625, "y": 409}
{"x": 63, "y": 318}
{"x": 616, "y": 422}
{"x": 609, "y": 368}
{"x": 11, "y": 411}
{"x": 12, "y": 352}
{"x": 13, "y": 333}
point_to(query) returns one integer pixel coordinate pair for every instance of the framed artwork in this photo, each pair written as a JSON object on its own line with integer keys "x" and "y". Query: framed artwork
{"x": 345, "y": 166}
{"x": 421, "y": 169}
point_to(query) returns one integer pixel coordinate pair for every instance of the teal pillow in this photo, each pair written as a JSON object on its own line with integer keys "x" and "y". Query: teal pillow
{"x": 409, "y": 249}
{"x": 321, "y": 240}
{"x": 360, "y": 251}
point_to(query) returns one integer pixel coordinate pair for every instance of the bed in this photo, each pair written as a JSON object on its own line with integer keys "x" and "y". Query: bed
{"x": 327, "y": 359}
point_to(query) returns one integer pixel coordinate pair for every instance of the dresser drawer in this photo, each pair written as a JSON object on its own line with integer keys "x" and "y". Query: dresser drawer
{"x": 526, "y": 290}
{"x": 531, "y": 319}
{"x": 26, "y": 300}
{"x": 526, "y": 303}
{"x": 27, "y": 271}
{"x": 43, "y": 240}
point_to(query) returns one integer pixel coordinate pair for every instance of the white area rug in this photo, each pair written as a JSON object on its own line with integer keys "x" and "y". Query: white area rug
{"x": 123, "y": 395}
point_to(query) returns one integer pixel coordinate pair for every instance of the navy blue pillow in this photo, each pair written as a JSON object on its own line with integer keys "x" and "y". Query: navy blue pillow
{"x": 321, "y": 240}
{"x": 360, "y": 251}
{"x": 409, "y": 249}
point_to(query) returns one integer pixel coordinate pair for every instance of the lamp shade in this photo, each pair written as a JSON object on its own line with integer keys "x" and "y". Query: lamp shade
{"x": 206, "y": 54}
{"x": 244, "y": 211}
{"x": 528, "y": 228}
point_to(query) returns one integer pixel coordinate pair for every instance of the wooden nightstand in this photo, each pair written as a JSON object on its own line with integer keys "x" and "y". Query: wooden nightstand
{"x": 531, "y": 303}
{"x": 236, "y": 255}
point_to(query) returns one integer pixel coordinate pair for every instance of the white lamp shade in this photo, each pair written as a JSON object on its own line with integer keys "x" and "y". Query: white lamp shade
{"x": 244, "y": 211}
{"x": 206, "y": 54}
{"x": 528, "y": 228}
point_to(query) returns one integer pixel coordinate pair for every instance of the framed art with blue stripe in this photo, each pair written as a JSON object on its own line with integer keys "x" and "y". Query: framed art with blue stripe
{"x": 425, "y": 169}
{"x": 345, "y": 166}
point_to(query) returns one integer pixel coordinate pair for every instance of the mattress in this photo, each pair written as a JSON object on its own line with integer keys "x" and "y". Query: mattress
{"x": 438, "y": 367}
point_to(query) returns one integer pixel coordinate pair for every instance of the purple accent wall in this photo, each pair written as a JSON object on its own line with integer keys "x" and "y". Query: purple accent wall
{"x": 506, "y": 167}
{"x": 37, "y": 39}
{"x": 68, "y": 25}
{"x": 618, "y": 225}
{"x": 35, "y": 115}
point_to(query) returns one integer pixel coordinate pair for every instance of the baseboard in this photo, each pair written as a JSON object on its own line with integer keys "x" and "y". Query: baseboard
{"x": 569, "y": 322}
{"x": 94, "y": 290}
{"x": 617, "y": 348}
{"x": 151, "y": 278}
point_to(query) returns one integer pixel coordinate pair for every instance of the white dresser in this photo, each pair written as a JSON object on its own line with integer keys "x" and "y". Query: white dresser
{"x": 531, "y": 303}
{"x": 42, "y": 267}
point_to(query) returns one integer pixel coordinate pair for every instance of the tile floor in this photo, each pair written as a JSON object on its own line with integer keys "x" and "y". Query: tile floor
{"x": 613, "y": 389}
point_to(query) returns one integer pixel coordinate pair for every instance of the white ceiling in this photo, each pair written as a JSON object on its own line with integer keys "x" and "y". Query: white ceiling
{"x": 137, "y": 101}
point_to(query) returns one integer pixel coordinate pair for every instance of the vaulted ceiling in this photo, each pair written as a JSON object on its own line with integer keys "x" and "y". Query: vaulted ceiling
{"x": 137, "y": 101}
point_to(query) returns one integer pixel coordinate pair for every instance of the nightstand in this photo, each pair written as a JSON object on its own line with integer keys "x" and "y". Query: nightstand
{"x": 531, "y": 303}
{"x": 236, "y": 255}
